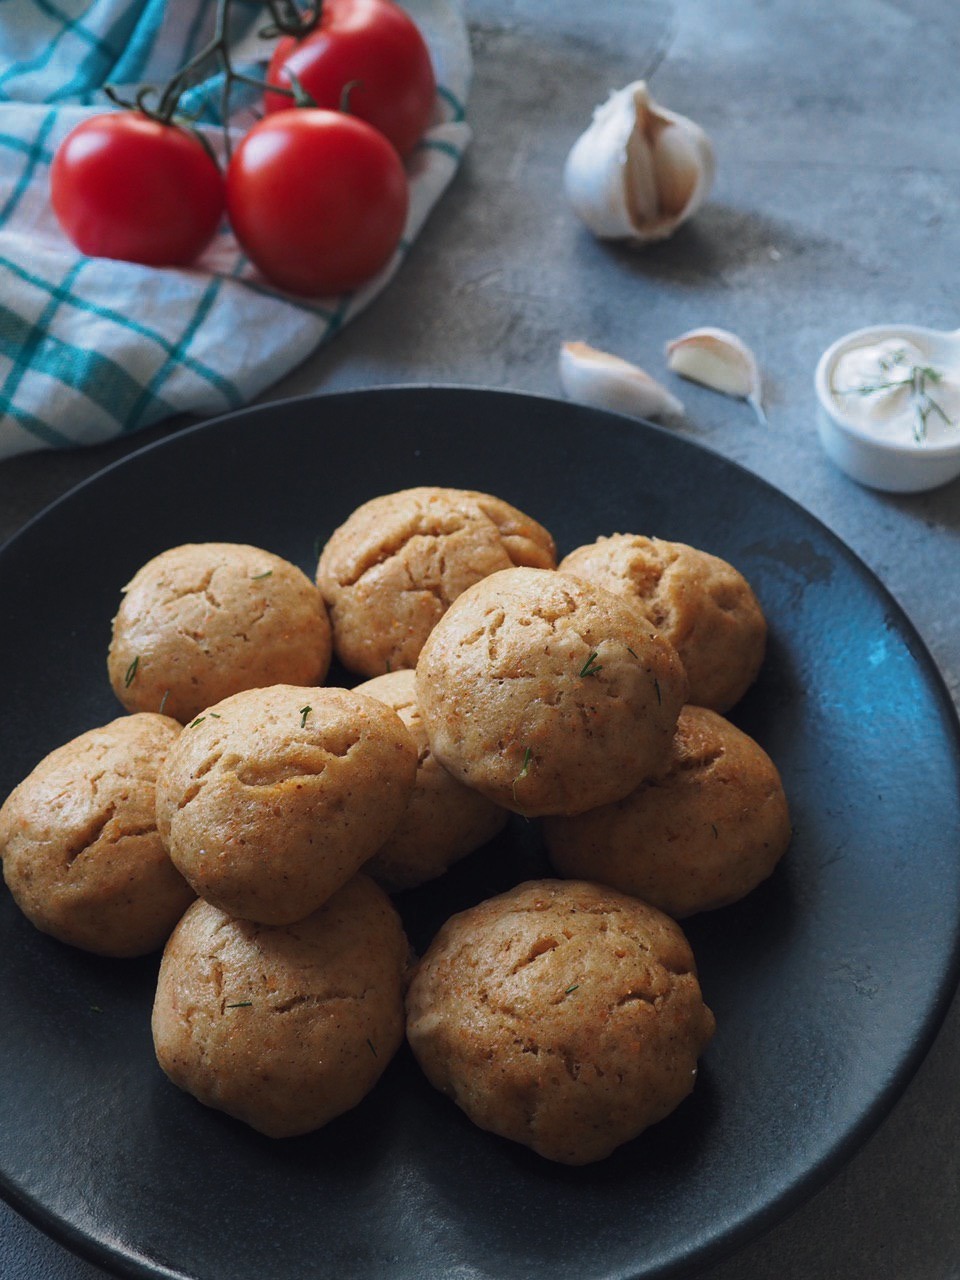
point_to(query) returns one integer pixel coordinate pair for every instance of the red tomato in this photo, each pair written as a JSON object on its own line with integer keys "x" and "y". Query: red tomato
{"x": 317, "y": 199}
{"x": 373, "y": 44}
{"x": 125, "y": 186}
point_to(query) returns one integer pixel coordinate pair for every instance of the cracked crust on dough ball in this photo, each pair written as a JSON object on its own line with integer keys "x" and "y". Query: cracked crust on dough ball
{"x": 547, "y": 694}
{"x": 391, "y": 571}
{"x": 81, "y": 852}
{"x": 283, "y": 1027}
{"x": 704, "y": 832}
{"x": 272, "y": 799}
{"x": 444, "y": 820}
{"x": 700, "y": 603}
{"x": 205, "y": 620}
{"x": 561, "y": 1015}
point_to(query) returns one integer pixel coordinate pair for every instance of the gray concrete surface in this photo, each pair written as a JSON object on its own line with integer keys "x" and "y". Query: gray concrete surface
{"x": 835, "y": 123}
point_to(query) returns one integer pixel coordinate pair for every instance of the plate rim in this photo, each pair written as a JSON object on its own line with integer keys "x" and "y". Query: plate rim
{"x": 122, "y": 1259}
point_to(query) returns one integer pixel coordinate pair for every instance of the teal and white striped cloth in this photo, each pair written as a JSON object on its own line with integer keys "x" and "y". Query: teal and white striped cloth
{"x": 91, "y": 348}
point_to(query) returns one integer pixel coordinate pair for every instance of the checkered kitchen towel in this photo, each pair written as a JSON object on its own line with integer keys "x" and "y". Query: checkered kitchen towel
{"x": 91, "y": 348}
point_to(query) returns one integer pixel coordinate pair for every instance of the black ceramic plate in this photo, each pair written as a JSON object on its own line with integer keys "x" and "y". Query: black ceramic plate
{"x": 828, "y": 983}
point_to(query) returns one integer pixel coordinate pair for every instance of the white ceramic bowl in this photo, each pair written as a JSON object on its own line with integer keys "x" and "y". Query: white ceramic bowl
{"x": 885, "y": 464}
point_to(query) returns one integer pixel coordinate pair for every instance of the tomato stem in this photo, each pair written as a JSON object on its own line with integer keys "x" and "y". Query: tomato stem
{"x": 288, "y": 20}
{"x": 345, "y": 93}
{"x": 299, "y": 94}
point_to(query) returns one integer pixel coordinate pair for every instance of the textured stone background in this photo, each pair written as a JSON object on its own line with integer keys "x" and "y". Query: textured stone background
{"x": 836, "y": 206}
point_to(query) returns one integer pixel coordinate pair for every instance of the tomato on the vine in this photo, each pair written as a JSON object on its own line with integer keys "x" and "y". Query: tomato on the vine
{"x": 317, "y": 199}
{"x": 372, "y": 49}
{"x": 126, "y": 186}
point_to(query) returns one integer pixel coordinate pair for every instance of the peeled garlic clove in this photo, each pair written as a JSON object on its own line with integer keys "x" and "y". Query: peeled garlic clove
{"x": 639, "y": 170}
{"x": 719, "y": 360}
{"x": 603, "y": 381}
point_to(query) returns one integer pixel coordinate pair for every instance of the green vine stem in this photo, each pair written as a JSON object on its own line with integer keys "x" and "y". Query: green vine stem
{"x": 287, "y": 19}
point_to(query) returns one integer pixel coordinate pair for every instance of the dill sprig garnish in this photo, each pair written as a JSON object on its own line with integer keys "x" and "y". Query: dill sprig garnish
{"x": 257, "y": 576}
{"x": 131, "y": 672}
{"x": 163, "y": 701}
{"x": 304, "y": 712}
{"x": 199, "y": 720}
{"x": 591, "y": 667}
{"x": 240, "y": 1004}
{"x": 524, "y": 770}
{"x": 569, "y": 990}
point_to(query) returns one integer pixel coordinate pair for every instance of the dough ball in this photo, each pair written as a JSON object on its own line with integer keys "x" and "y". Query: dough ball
{"x": 546, "y": 694}
{"x": 78, "y": 837}
{"x": 272, "y": 799}
{"x": 698, "y": 602}
{"x": 283, "y": 1027}
{"x": 444, "y": 820}
{"x": 391, "y": 571}
{"x": 202, "y": 621}
{"x": 561, "y": 1015}
{"x": 706, "y": 830}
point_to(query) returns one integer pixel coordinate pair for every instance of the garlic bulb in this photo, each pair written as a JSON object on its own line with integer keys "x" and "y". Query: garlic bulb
{"x": 719, "y": 360}
{"x": 603, "y": 381}
{"x": 639, "y": 170}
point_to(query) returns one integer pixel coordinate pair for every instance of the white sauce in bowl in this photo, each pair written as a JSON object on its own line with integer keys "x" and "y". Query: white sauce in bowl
{"x": 896, "y": 390}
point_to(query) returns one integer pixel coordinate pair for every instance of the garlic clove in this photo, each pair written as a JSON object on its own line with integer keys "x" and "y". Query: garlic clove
{"x": 604, "y": 381}
{"x": 719, "y": 360}
{"x": 679, "y": 172}
{"x": 639, "y": 170}
{"x": 595, "y": 176}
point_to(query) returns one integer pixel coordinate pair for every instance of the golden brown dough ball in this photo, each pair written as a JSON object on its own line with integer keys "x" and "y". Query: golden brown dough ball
{"x": 708, "y": 828}
{"x": 444, "y": 820}
{"x": 78, "y": 837}
{"x": 697, "y": 601}
{"x": 283, "y": 1027}
{"x": 547, "y": 694}
{"x": 391, "y": 571}
{"x": 202, "y": 621}
{"x": 272, "y": 799}
{"x": 561, "y": 1015}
